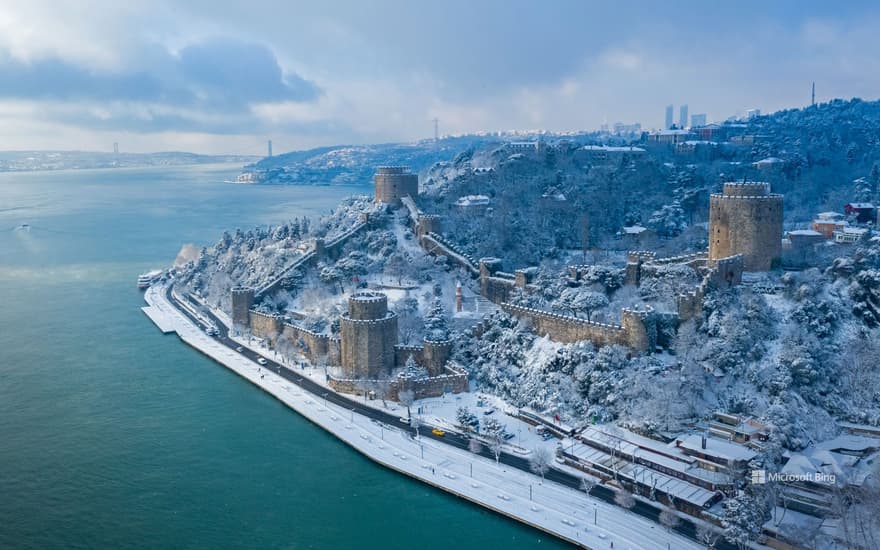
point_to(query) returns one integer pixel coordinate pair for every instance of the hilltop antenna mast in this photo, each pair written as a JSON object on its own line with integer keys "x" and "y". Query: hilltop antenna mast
{"x": 813, "y": 99}
{"x": 436, "y": 122}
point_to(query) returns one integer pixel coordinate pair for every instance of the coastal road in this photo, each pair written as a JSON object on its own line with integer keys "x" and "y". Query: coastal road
{"x": 686, "y": 527}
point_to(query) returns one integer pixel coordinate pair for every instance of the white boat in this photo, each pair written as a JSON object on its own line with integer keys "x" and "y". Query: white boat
{"x": 148, "y": 278}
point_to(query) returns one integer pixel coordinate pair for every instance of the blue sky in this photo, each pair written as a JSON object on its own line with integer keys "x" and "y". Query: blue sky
{"x": 217, "y": 76}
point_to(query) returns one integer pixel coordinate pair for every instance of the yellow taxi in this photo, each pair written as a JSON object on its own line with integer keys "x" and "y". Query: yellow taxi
{"x": 438, "y": 432}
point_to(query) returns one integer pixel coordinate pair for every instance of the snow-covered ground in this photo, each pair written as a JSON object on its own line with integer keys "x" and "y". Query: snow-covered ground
{"x": 564, "y": 512}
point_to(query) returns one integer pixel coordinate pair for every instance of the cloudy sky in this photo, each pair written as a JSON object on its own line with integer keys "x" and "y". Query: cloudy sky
{"x": 222, "y": 76}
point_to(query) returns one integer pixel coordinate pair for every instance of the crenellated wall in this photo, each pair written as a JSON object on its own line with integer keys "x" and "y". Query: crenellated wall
{"x": 264, "y": 325}
{"x": 632, "y": 332}
{"x": 316, "y": 347}
{"x": 452, "y": 379}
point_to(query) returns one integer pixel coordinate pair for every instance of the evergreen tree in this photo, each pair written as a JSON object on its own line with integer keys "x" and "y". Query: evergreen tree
{"x": 436, "y": 323}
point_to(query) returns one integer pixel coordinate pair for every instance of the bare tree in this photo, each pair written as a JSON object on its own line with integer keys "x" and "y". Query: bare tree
{"x": 475, "y": 446}
{"x": 707, "y": 535}
{"x": 406, "y": 398}
{"x": 587, "y": 485}
{"x": 539, "y": 461}
{"x": 496, "y": 445}
{"x": 669, "y": 519}
{"x": 383, "y": 386}
{"x": 624, "y": 499}
{"x": 415, "y": 422}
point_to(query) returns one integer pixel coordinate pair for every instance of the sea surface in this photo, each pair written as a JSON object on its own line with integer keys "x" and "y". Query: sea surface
{"x": 113, "y": 435}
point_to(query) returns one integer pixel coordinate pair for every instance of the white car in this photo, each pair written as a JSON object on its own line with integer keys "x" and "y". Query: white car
{"x": 261, "y": 361}
{"x": 239, "y": 349}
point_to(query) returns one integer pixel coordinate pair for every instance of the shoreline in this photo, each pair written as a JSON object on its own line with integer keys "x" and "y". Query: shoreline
{"x": 545, "y": 506}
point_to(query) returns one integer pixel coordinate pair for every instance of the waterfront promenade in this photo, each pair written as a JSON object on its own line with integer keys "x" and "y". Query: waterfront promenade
{"x": 549, "y": 506}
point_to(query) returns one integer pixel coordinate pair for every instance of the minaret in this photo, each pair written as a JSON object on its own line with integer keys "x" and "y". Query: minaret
{"x": 458, "y": 296}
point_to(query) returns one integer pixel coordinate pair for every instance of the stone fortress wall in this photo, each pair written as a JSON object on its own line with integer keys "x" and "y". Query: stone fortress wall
{"x": 746, "y": 219}
{"x": 452, "y": 379}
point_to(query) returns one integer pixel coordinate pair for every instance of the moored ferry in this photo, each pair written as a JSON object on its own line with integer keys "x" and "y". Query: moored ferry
{"x": 148, "y": 278}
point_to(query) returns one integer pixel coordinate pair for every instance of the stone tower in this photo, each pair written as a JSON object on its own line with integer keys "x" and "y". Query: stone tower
{"x": 392, "y": 183}
{"x": 746, "y": 219}
{"x": 368, "y": 333}
{"x": 242, "y": 302}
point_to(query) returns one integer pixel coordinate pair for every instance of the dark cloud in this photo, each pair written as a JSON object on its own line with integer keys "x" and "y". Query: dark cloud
{"x": 239, "y": 73}
{"x": 207, "y": 86}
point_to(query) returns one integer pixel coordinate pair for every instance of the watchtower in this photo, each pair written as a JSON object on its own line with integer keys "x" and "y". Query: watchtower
{"x": 242, "y": 302}
{"x": 392, "y": 183}
{"x": 746, "y": 219}
{"x": 368, "y": 336}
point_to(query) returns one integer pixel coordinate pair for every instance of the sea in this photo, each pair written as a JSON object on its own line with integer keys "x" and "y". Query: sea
{"x": 113, "y": 435}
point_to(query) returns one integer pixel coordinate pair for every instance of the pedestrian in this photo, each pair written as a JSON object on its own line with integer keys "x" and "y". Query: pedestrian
{"x": 432, "y": 470}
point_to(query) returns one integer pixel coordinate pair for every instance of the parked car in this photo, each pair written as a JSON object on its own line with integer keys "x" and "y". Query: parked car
{"x": 487, "y": 412}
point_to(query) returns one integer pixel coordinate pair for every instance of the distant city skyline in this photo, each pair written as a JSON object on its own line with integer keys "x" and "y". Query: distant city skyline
{"x": 222, "y": 77}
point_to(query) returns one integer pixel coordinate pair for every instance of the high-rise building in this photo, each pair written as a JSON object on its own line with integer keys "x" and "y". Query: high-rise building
{"x": 683, "y": 116}
{"x": 698, "y": 119}
{"x": 270, "y": 148}
{"x": 753, "y": 113}
{"x": 669, "y": 109}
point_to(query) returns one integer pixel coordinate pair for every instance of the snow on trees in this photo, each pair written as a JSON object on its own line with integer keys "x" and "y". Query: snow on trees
{"x": 624, "y": 499}
{"x": 436, "y": 322}
{"x": 467, "y": 420}
{"x": 539, "y": 460}
{"x": 406, "y": 398}
{"x": 669, "y": 220}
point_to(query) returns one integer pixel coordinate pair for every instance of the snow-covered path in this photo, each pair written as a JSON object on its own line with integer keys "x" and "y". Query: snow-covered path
{"x": 555, "y": 509}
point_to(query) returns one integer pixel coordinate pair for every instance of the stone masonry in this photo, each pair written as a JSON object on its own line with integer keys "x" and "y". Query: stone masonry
{"x": 746, "y": 219}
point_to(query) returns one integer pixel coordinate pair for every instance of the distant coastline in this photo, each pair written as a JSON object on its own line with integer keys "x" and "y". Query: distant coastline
{"x": 34, "y": 161}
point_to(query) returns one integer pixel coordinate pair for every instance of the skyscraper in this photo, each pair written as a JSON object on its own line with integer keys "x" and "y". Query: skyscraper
{"x": 270, "y": 148}
{"x": 698, "y": 119}
{"x": 669, "y": 109}
{"x": 683, "y": 116}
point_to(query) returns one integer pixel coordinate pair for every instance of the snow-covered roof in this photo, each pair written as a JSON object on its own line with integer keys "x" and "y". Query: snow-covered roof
{"x": 861, "y": 205}
{"x": 805, "y": 232}
{"x": 717, "y": 448}
{"x": 826, "y": 221}
{"x": 634, "y": 230}
{"x": 613, "y": 149}
{"x": 700, "y": 142}
{"x": 555, "y": 196}
{"x": 638, "y": 473}
{"x": 770, "y": 160}
{"x": 472, "y": 200}
{"x": 829, "y": 215}
{"x": 853, "y": 230}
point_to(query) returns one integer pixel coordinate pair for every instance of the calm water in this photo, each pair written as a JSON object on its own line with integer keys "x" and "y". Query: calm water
{"x": 113, "y": 435}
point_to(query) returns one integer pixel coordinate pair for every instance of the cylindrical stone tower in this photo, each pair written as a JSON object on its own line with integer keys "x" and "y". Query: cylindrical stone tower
{"x": 368, "y": 335}
{"x": 392, "y": 183}
{"x": 746, "y": 219}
